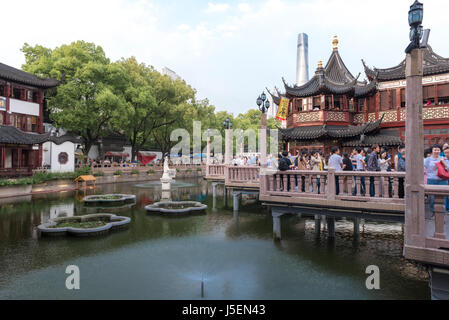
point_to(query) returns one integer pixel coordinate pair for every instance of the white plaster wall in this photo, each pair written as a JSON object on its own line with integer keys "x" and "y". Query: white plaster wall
{"x": 24, "y": 107}
{"x": 46, "y": 160}
{"x": 127, "y": 150}
{"x": 67, "y": 147}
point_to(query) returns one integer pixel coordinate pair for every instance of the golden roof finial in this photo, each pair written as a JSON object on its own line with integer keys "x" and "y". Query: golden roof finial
{"x": 320, "y": 64}
{"x": 335, "y": 42}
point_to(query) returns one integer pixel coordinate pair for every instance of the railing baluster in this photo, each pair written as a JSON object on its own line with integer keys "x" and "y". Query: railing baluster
{"x": 439, "y": 217}
{"x": 292, "y": 184}
{"x": 396, "y": 188}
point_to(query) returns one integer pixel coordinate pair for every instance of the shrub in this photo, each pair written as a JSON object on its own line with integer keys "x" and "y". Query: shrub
{"x": 135, "y": 171}
{"x": 118, "y": 173}
{"x": 177, "y": 170}
{"x": 99, "y": 174}
{"x": 199, "y": 169}
{"x": 151, "y": 171}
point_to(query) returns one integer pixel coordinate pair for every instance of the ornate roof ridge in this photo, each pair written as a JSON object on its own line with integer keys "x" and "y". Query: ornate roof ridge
{"x": 432, "y": 64}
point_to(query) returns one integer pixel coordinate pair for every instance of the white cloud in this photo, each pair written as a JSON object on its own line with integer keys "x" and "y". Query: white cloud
{"x": 244, "y": 7}
{"x": 229, "y": 60}
{"x": 216, "y": 7}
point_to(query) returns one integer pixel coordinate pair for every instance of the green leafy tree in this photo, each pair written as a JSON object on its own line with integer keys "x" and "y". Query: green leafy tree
{"x": 87, "y": 99}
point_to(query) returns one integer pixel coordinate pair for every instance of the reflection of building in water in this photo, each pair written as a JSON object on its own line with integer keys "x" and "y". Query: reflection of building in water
{"x": 58, "y": 210}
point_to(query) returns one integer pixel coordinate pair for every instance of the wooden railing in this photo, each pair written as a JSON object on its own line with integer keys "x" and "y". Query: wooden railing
{"x": 242, "y": 174}
{"x": 436, "y": 236}
{"x": 15, "y": 172}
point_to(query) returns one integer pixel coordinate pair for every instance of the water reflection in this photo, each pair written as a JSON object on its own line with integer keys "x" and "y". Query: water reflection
{"x": 234, "y": 253}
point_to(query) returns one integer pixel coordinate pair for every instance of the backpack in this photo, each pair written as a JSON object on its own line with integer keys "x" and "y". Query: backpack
{"x": 283, "y": 165}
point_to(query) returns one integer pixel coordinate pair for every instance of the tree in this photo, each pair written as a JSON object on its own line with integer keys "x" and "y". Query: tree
{"x": 86, "y": 101}
{"x": 149, "y": 106}
{"x": 174, "y": 101}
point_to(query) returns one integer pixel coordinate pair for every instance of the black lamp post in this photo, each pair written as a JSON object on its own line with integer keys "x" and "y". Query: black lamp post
{"x": 415, "y": 18}
{"x": 263, "y": 103}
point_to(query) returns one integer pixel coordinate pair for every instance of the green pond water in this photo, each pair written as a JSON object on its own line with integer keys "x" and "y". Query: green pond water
{"x": 167, "y": 258}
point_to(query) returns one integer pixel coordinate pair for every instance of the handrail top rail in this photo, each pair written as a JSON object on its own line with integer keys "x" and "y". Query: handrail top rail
{"x": 436, "y": 189}
{"x": 346, "y": 173}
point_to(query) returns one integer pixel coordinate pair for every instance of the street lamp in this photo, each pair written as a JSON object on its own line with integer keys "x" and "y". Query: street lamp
{"x": 263, "y": 103}
{"x": 227, "y": 124}
{"x": 415, "y": 18}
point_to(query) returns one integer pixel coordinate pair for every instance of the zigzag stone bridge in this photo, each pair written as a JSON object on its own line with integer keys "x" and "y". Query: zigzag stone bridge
{"x": 315, "y": 193}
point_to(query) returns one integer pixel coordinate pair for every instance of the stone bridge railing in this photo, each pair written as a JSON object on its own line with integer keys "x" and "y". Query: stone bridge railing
{"x": 332, "y": 185}
{"x": 436, "y": 227}
{"x": 215, "y": 171}
{"x": 242, "y": 175}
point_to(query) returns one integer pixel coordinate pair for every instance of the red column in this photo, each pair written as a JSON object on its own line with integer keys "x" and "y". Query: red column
{"x": 7, "y": 95}
{"x": 19, "y": 157}
{"x": 2, "y": 160}
{"x": 39, "y": 157}
{"x": 398, "y": 98}
{"x": 435, "y": 88}
{"x": 40, "y": 122}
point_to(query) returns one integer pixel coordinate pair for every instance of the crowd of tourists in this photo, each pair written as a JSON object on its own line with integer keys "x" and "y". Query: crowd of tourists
{"x": 374, "y": 159}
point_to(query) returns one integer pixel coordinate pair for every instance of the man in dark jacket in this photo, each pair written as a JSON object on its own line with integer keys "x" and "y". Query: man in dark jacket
{"x": 285, "y": 164}
{"x": 373, "y": 165}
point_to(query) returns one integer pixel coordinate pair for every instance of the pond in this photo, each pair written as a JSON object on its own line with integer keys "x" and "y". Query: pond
{"x": 160, "y": 258}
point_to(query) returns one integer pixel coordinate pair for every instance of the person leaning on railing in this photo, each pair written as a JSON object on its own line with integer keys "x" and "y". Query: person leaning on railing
{"x": 373, "y": 165}
{"x": 316, "y": 164}
{"x": 430, "y": 165}
{"x": 336, "y": 162}
{"x": 285, "y": 165}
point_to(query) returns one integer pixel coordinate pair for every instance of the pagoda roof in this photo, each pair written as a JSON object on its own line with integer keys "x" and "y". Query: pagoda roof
{"x": 332, "y": 132}
{"x": 15, "y": 75}
{"x": 13, "y": 135}
{"x": 379, "y": 139}
{"x": 432, "y": 64}
{"x": 334, "y": 78}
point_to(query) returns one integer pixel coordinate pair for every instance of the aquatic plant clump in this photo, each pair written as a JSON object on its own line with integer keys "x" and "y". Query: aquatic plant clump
{"x": 89, "y": 225}
{"x": 109, "y": 199}
{"x": 177, "y": 207}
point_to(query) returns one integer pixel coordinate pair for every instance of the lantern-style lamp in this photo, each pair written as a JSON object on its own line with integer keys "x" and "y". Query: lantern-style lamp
{"x": 415, "y": 15}
{"x": 415, "y": 19}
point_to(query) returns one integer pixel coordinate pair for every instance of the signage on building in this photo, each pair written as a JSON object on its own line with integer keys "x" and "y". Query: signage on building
{"x": 35, "y": 147}
{"x": 2, "y": 104}
{"x": 282, "y": 110}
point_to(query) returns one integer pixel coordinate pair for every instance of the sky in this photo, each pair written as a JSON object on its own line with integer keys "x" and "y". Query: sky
{"x": 229, "y": 51}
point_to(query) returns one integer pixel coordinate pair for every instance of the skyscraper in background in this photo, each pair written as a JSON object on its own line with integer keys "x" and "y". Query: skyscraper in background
{"x": 302, "y": 62}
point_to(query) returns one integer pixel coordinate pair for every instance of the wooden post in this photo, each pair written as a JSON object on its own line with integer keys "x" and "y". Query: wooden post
{"x": 414, "y": 181}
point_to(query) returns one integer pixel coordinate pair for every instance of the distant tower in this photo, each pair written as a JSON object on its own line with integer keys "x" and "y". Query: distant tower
{"x": 302, "y": 67}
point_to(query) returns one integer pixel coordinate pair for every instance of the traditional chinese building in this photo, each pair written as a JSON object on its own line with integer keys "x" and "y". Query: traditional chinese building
{"x": 21, "y": 120}
{"x": 335, "y": 108}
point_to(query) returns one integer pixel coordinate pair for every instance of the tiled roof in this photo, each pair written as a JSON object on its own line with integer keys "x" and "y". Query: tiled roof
{"x": 12, "y": 74}
{"x": 380, "y": 139}
{"x": 60, "y": 140}
{"x": 333, "y": 132}
{"x": 12, "y": 135}
{"x": 334, "y": 78}
{"x": 432, "y": 64}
